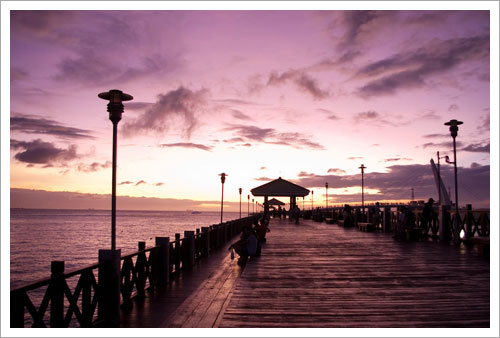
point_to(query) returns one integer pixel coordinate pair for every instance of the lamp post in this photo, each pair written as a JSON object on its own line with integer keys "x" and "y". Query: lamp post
{"x": 439, "y": 177}
{"x": 248, "y": 206}
{"x": 453, "y": 131}
{"x": 115, "y": 109}
{"x": 240, "y": 200}
{"x": 363, "y": 187}
{"x": 326, "y": 186}
{"x": 222, "y": 179}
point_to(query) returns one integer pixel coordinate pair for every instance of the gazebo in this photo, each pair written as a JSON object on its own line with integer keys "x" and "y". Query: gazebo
{"x": 280, "y": 187}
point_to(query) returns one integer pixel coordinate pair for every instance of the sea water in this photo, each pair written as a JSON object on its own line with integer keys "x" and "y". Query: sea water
{"x": 38, "y": 237}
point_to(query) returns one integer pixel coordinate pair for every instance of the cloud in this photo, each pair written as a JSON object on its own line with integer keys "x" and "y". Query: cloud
{"x": 302, "y": 80}
{"x": 305, "y": 174}
{"x": 367, "y": 115}
{"x": 477, "y": 148}
{"x": 336, "y": 171}
{"x": 436, "y": 135}
{"x": 355, "y": 158}
{"x": 36, "y": 125}
{"x": 239, "y": 115}
{"x": 448, "y": 145}
{"x": 131, "y": 105}
{"x": 410, "y": 69}
{"x": 39, "y": 152}
{"x": 125, "y": 183}
{"x": 18, "y": 74}
{"x": 397, "y": 159}
{"x": 181, "y": 103}
{"x": 159, "y": 184}
{"x": 264, "y": 179}
{"x": 453, "y": 107}
{"x": 271, "y": 136}
{"x": 263, "y": 168}
{"x": 396, "y": 183}
{"x": 187, "y": 145}
{"x": 93, "y": 167}
{"x": 140, "y": 182}
{"x": 358, "y": 24}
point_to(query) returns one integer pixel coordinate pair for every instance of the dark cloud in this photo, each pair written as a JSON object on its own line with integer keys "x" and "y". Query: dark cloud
{"x": 436, "y": 135}
{"x": 239, "y": 115}
{"x": 93, "y": 167}
{"x": 271, "y": 136}
{"x": 301, "y": 79}
{"x": 397, "y": 159}
{"x": 187, "y": 145}
{"x": 39, "y": 152}
{"x": 448, "y": 145}
{"x": 305, "y": 174}
{"x": 409, "y": 70}
{"x": 140, "y": 182}
{"x": 234, "y": 140}
{"x": 159, "y": 184}
{"x": 125, "y": 183}
{"x": 477, "y": 148}
{"x": 35, "y": 125}
{"x": 180, "y": 103}
{"x": 132, "y": 105}
{"x": 357, "y": 24}
{"x": 397, "y": 182}
{"x": 336, "y": 171}
{"x": 367, "y": 115}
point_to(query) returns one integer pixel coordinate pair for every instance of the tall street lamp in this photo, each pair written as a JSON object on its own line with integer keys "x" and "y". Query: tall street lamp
{"x": 240, "y": 200}
{"x": 439, "y": 177}
{"x": 326, "y": 186}
{"x": 453, "y": 131}
{"x": 363, "y": 187}
{"x": 115, "y": 109}
{"x": 222, "y": 179}
{"x": 253, "y": 206}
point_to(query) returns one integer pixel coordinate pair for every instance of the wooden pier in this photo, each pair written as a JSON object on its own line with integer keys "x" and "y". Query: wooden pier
{"x": 323, "y": 275}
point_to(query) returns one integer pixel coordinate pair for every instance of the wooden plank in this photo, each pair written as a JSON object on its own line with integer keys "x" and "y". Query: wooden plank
{"x": 316, "y": 275}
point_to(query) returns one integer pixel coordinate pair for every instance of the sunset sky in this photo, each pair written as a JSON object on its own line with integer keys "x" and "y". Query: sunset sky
{"x": 305, "y": 95}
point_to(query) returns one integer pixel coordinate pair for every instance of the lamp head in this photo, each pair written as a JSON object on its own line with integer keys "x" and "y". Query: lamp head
{"x": 223, "y": 177}
{"x": 453, "y": 127}
{"x": 240, "y": 190}
{"x": 326, "y": 185}
{"x": 115, "y": 106}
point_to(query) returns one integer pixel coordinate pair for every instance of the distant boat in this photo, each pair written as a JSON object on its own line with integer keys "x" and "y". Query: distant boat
{"x": 196, "y": 212}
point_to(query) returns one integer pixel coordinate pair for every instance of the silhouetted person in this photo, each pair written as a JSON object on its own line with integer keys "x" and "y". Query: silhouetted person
{"x": 246, "y": 246}
{"x": 347, "y": 215}
{"x": 296, "y": 214}
{"x": 427, "y": 214}
{"x": 279, "y": 211}
{"x": 376, "y": 215}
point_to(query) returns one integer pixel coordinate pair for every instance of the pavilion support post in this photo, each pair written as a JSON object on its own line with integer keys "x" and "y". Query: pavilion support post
{"x": 266, "y": 206}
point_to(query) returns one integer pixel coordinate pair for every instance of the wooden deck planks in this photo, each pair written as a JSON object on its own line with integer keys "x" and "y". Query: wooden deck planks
{"x": 320, "y": 275}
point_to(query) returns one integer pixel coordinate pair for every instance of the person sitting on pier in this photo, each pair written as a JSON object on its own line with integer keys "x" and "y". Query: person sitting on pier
{"x": 347, "y": 216}
{"x": 246, "y": 246}
{"x": 262, "y": 229}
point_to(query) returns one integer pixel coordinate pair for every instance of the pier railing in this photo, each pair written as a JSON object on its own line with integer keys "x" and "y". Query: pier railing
{"x": 73, "y": 298}
{"x": 473, "y": 223}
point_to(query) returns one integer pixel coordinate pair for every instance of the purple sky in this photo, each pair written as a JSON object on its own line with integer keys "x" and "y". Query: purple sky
{"x": 305, "y": 95}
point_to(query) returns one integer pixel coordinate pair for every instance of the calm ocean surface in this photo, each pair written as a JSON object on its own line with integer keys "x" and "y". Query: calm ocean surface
{"x": 38, "y": 237}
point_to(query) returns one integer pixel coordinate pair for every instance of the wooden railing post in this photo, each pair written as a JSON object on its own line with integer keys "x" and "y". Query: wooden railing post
{"x": 87, "y": 312}
{"x": 177, "y": 253}
{"x": 468, "y": 231}
{"x": 109, "y": 288}
{"x": 57, "y": 294}
{"x": 140, "y": 267}
{"x": 16, "y": 309}
{"x": 188, "y": 258}
{"x": 163, "y": 259}
{"x": 205, "y": 241}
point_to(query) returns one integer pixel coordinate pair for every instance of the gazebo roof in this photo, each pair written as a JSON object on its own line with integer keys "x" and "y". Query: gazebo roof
{"x": 274, "y": 201}
{"x": 280, "y": 187}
